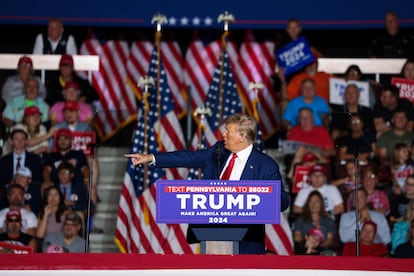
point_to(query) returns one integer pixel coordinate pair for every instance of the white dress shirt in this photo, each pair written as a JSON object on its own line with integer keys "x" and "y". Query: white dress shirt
{"x": 239, "y": 163}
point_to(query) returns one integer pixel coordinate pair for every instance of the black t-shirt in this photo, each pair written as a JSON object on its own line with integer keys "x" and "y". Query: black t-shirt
{"x": 381, "y": 112}
{"x": 362, "y": 144}
{"x": 55, "y": 90}
{"x": 397, "y": 46}
{"x": 340, "y": 117}
{"x": 405, "y": 250}
{"x": 23, "y": 239}
{"x": 399, "y": 206}
{"x": 75, "y": 157}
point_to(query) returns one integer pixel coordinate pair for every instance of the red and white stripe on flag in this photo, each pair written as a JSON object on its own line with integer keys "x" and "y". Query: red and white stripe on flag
{"x": 117, "y": 105}
{"x": 255, "y": 64}
{"x": 138, "y": 64}
{"x": 279, "y": 237}
{"x": 174, "y": 67}
{"x": 200, "y": 62}
{"x": 137, "y": 236}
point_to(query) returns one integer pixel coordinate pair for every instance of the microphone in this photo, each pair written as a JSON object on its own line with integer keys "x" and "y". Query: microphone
{"x": 218, "y": 153}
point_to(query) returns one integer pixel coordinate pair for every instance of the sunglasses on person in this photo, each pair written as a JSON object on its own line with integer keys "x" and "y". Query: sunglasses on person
{"x": 13, "y": 220}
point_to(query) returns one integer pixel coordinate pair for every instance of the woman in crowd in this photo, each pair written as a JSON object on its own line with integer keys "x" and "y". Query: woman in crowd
{"x": 401, "y": 167}
{"x": 37, "y": 134}
{"x": 308, "y": 240}
{"x": 399, "y": 234}
{"x": 71, "y": 93}
{"x": 377, "y": 199}
{"x": 363, "y": 142}
{"x": 52, "y": 212}
{"x": 407, "y": 70}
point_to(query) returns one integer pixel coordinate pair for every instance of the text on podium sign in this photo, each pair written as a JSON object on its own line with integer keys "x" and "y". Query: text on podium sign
{"x": 218, "y": 201}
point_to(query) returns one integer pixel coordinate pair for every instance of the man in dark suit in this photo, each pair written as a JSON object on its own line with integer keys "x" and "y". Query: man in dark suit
{"x": 249, "y": 164}
{"x": 16, "y": 159}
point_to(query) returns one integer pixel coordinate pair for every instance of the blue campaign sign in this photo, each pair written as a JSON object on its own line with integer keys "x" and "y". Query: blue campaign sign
{"x": 218, "y": 201}
{"x": 295, "y": 56}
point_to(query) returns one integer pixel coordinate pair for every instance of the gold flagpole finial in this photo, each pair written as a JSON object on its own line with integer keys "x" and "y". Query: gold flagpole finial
{"x": 226, "y": 17}
{"x": 202, "y": 112}
{"x": 146, "y": 82}
{"x": 159, "y": 19}
{"x": 255, "y": 87}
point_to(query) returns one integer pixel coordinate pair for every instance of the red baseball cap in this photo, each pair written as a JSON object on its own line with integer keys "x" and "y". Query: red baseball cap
{"x": 317, "y": 232}
{"x": 66, "y": 60}
{"x": 71, "y": 85}
{"x": 318, "y": 168}
{"x": 64, "y": 132}
{"x": 14, "y": 213}
{"x": 31, "y": 110}
{"x": 71, "y": 105}
{"x": 25, "y": 59}
{"x": 309, "y": 157}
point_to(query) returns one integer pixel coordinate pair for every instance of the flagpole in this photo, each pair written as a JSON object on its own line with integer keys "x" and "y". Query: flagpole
{"x": 226, "y": 18}
{"x": 201, "y": 112}
{"x": 146, "y": 82}
{"x": 255, "y": 88}
{"x": 159, "y": 19}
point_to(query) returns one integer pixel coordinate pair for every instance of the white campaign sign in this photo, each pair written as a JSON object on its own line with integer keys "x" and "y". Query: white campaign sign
{"x": 337, "y": 89}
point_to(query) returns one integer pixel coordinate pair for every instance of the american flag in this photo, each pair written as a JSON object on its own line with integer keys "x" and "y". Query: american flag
{"x": 139, "y": 61}
{"x": 278, "y": 237}
{"x": 255, "y": 64}
{"x": 136, "y": 229}
{"x": 200, "y": 61}
{"x": 222, "y": 99}
{"x": 117, "y": 106}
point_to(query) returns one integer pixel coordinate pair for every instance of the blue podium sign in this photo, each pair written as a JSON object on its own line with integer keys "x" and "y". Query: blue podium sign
{"x": 295, "y": 56}
{"x": 218, "y": 201}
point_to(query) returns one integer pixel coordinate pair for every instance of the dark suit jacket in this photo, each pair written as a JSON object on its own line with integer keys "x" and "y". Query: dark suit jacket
{"x": 33, "y": 162}
{"x": 259, "y": 166}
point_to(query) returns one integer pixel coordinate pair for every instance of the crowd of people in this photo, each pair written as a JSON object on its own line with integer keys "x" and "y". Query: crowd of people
{"x": 351, "y": 151}
{"x": 44, "y": 184}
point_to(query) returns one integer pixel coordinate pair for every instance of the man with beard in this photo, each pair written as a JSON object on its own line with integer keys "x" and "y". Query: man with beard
{"x": 15, "y": 196}
{"x": 68, "y": 238}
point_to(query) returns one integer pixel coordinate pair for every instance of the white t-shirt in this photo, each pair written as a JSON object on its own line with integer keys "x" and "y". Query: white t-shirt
{"x": 29, "y": 219}
{"x": 331, "y": 196}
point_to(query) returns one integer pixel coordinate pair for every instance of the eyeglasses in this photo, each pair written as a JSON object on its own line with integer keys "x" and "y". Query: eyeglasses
{"x": 356, "y": 121}
{"x": 13, "y": 220}
{"x": 64, "y": 171}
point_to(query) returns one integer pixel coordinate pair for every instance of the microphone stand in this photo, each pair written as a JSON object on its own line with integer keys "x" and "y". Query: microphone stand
{"x": 88, "y": 214}
{"x": 356, "y": 155}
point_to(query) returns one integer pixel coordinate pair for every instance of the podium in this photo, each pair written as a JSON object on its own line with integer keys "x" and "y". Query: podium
{"x": 220, "y": 212}
{"x": 219, "y": 241}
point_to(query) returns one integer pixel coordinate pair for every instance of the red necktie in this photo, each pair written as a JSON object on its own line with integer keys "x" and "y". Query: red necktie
{"x": 227, "y": 172}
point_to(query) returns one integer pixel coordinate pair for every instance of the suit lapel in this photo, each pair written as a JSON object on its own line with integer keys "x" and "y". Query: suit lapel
{"x": 249, "y": 169}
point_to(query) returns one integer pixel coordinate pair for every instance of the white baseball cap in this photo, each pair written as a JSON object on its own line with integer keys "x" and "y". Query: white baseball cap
{"x": 24, "y": 171}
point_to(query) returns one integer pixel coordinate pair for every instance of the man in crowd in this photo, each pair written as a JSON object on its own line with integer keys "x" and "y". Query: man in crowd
{"x": 55, "y": 41}
{"x": 14, "y": 234}
{"x": 347, "y": 223}
{"x": 15, "y": 197}
{"x": 332, "y": 197}
{"x": 68, "y": 238}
